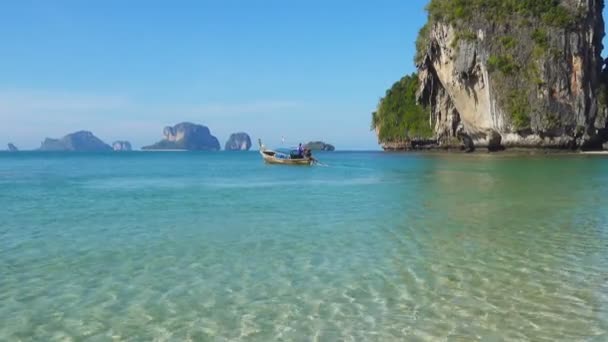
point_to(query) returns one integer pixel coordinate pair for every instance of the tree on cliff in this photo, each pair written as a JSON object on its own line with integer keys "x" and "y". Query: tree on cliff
{"x": 398, "y": 116}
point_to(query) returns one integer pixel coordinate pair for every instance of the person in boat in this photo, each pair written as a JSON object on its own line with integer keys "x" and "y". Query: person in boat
{"x": 300, "y": 151}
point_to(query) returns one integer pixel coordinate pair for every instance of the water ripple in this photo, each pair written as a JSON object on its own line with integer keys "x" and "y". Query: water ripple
{"x": 376, "y": 247}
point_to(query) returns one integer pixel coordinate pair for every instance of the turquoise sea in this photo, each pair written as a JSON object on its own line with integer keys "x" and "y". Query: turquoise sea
{"x": 178, "y": 246}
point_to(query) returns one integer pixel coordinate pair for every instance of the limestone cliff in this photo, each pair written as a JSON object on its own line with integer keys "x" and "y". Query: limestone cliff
{"x": 238, "y": 142}
{"x": 186, "y": 136}
{"x": 514, "y": 73}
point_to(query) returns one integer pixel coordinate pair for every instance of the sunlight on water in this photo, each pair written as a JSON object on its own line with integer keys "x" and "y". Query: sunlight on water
{"x": 379, "y": 247}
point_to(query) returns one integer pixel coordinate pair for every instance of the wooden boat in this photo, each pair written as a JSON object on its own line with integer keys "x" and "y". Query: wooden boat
{"x": 277, "y": 157}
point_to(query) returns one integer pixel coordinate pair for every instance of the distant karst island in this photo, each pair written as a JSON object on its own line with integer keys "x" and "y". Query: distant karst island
{"x": 81, "y": 141}
{"x": 513, "y": 74}
{"x": 238, "y": 142}
{"x": 319, "y": 146}
{"x": 186, "y": 136}
{"x": 121, "y": 145}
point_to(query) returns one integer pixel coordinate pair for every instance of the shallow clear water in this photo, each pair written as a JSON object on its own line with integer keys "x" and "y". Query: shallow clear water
{"x": 379, "y": 247}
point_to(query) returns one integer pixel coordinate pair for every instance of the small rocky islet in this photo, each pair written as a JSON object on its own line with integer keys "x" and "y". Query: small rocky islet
{"x": 238, "y": 142}
{"x": 513, "y": 74}
{"x": 121, "y": 145}
{"x": 319, "y": 146}
{"x": 12, "y": 147}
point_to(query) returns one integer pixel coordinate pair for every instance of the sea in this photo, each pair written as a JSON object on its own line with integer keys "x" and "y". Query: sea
{"x": 367, "y": 246}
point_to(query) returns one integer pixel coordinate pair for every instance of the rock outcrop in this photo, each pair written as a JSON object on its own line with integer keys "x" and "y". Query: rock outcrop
{"x": 319, "y": 146}
{"x": 82, "y": 141}
{"x": 12, "y": 148}
{"x": 238, "y": 142}
{"x": 121, "y": 145}
{"x": 186, "y": 136}
{"x": 523, "y": 76}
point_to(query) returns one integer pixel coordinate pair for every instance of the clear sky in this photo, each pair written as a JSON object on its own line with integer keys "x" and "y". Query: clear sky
{"x": 125, "y": 69}
{"x": 303, "y": 69}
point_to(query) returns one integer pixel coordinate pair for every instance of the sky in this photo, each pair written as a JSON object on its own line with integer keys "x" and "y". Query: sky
{"x": 305, "y": 70}
{"x": 299, "y": 69}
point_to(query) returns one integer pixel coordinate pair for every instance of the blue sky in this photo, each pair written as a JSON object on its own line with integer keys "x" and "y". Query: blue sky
{"x": 125, "y": 69}
{"x": 305, "y": 70}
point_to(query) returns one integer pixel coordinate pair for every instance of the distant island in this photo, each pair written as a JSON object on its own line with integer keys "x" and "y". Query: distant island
{"x": 319, "y": 146}
{"x": 121, "y": 145}
{"x": 81, "y": 141}
{"x": 186, "y": 136}
{"x": 12, "y": 148}
{"x": 512, "y": 74}
{"x": 238, "y": 142}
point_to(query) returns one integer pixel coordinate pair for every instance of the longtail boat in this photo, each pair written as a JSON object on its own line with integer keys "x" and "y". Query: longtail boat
{"x": 284, "y": 158}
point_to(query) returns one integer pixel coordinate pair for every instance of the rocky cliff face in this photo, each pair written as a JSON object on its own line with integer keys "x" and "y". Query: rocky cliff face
{"x": 12, "y": 148}
{"x": 121, "y": 145}
{"x": 186, "y": 136}
{"x": 82, "y": 141}
{"x": 238, "y": 142}
{"x": 527, "y": 76}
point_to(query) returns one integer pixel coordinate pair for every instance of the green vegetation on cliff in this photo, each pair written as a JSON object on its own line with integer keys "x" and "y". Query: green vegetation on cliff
{"x": 398, "y": 116}
{"x": 459, "y": 14}
{"x": 421, "y": 43}
{"x": 549, "y": 11}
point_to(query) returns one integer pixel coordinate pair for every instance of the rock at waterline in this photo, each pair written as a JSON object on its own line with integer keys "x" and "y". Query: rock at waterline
{"x": 494, "y": 141}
